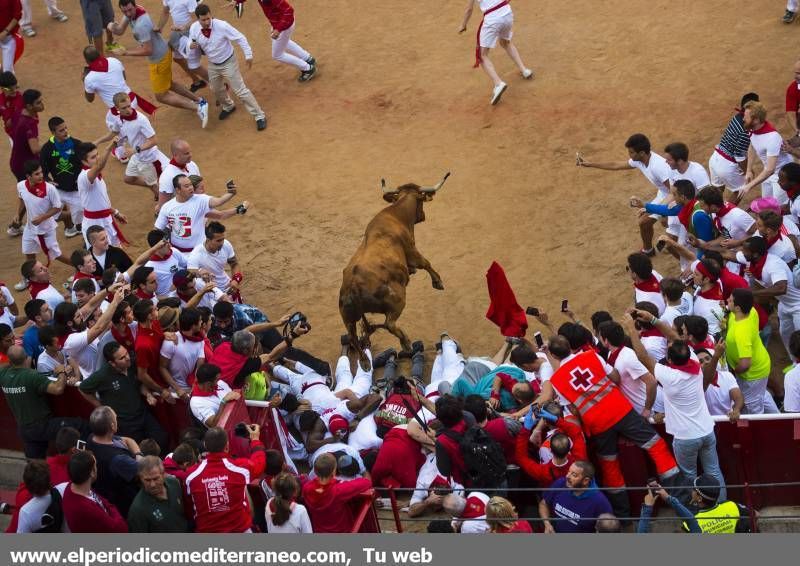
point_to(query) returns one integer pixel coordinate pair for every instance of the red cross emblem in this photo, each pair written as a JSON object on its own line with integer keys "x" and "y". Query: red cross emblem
{"x": 581, "y": 379}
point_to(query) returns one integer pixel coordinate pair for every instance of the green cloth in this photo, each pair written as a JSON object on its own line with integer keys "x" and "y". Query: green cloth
{"x": 118, "y": 391}
{"x": 150, "y": 515}
{"x": 742, "y": 341}
{"x": 256, "y": 386}
{"x": 25, "y": 390}
{"x": 464, "y": 387}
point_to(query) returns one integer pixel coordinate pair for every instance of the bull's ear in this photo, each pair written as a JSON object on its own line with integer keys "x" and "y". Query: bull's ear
{"x": 425, "y": 197}
{"x": 391, "y": 197}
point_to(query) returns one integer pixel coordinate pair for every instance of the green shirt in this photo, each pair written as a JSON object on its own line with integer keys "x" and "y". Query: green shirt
{"x": 118, "y": 391}
{"x": 25, "y": 390}
{"x": 150, "y": 515}
{"x": 742, "y": 341}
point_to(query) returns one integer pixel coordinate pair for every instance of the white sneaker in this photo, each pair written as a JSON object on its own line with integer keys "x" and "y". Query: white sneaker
{"x": 22, "y": 285}
{"x": 527, "y": 74}
{"x": 202, "y": 111}
{"x": 14, "y": 231}
{"x": 71, "y": 232}
{"x": 497, "y": 93}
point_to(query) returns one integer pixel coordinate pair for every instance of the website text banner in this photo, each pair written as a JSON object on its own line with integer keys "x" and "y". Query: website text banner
{"x": 399, "y": 550}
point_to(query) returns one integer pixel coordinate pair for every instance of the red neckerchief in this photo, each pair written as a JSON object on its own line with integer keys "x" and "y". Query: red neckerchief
{"x": 154, "y": 257}
{"x": 650, "y": 333}
{"x": 80, "y": 275}
{"x": 206, "y": 32}
{"x": 650, "y": 285}
{"x": 612, "y": 357}
{"x": 713, "y": 294}
{"x": 757, "y": 267}
{"x": 692, "y": 367}
{"x": 39, "y": 190}
{"x": 35, "y": 288}
{"x": 189, "y": 338}
{"x": 707, "y": 344}
{"x": 685, "y": 215}
{"x": 99, "y": 65}
{"x": 131, "y": 118}
{"x": 185, "y": 297}
{"x": 764, "y": 129}
{"x": 178, "y": 165}
{"x": 197, "y": 392}
{"x": 474, "y": 508}
{"x": 726, "y": 208}
{"x": 125, "y": 339}
{"x": 85, "y": 168}
{"x": 139, "y": 12}
{"x": 142, "y": 295}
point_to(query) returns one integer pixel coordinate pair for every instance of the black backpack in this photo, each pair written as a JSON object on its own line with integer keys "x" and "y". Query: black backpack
{"x": 53, "y": 517}
{"x": 484, "y": 459}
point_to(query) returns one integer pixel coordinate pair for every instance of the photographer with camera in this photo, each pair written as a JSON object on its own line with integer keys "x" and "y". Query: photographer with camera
{"x": 217, "y": 486}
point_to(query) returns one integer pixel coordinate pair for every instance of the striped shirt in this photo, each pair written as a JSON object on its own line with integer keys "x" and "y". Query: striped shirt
{"x": 735, "y": 140}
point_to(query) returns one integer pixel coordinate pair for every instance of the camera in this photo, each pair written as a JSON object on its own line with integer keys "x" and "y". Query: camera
{"x": 166, "y": 234}
{"x": 532, "y": 311}
{"x": 230, "y": 185}
{"x": 538, "y": 338}
{"x": 241, "y": 430}
{"x": 298, "y": 319}
{"x": 564, "y": 305}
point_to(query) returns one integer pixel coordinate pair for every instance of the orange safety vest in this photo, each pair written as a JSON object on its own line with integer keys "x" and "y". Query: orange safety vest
{"x": 582, "y": 381}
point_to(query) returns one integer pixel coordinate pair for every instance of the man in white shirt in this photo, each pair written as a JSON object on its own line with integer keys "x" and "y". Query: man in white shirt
{"x": 676, "y": 155}
{"x": 686, "y": 415}
{"x": 780, "y": 240}
{"x": 636, "y": 383}
{"x": 215, "y": 39}
{"x": 765, "y": 144}
{"x": 653, "y": 167}
{"x": 37, "y": 277}
{"x": 708, "y": 295}
{"x": 791, "y": 381}
{"x": 41, "y": 203}
{"x": 213, "y": 256}
{"x": 97, "y": 209}
{"x": 723, "y": 396}
{"x": 185, "y": 215}
{"x": 180, "y": 164}
{"x": 179, "y": 361}
{"x": 165, "y": 263}
{"x": 209, "y": 395}
{"x": 181, "y": 12}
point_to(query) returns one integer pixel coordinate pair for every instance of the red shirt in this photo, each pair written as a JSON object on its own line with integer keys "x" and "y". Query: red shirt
{"x": 10, "y": 108}
{"x": 792, "y": 97}
{"x": 10, "y": 10}
{"x": 327, "y": 504}
{"x": 546, "y": 474}
{"x": 279, "y": 13}
{"x": 498, "y": 430}
{"x": 58, "y": 468}
{"x": 23, "y": 128}
{"x": 84, "y": 515}
{"x": 217, "y": 487}
{"x": 519, "y": 527}
{"x": 398, "y": 462}
{"x": 148, "y": 350}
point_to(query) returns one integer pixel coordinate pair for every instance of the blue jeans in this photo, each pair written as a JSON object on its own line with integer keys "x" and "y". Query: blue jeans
{"x": 705, "y": 448}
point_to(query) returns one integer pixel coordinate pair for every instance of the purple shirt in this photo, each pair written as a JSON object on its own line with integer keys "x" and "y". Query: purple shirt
{"x": 577, "y": 514}
{"x": 23, "y": 128}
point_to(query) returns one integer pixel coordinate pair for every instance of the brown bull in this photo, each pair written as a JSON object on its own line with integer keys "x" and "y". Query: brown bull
{"x": 375, "y": 279}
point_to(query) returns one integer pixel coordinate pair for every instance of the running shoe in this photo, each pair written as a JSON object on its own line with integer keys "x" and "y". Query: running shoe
{"x": 202, "y": 111}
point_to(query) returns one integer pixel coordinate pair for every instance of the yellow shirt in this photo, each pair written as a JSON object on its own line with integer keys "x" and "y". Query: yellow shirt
{"x": 743, "y": 341}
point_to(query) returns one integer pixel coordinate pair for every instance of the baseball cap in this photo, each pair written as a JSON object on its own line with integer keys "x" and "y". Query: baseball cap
{"x": 181, "y": 278}
{"x": 707, "y": 486}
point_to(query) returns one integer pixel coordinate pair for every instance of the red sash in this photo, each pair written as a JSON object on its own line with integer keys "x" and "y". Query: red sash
{"x": 480, "y": 26}
{"x": 45, "y": 249}
{"x": 105, "y": 213}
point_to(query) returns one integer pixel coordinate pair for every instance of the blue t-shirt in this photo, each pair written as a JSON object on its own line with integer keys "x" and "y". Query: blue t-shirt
{"x": 30, "y": 342}
{"x": 577, "y": 514}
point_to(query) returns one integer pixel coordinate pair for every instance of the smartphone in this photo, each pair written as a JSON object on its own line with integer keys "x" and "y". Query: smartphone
{"x": 230, "y": 184}
{"x": 660, "y": 245}
{"x": 80, "y": 445}
{"x": 564, "y": 305}
{"x": 538, "y": 338}
{"x": 532, "y": 311}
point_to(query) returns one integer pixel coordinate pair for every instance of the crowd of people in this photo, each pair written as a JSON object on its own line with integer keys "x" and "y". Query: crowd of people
{"x": 139, "y": 338}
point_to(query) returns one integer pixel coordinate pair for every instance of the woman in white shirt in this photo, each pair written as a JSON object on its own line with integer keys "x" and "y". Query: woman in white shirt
{"x": 283, "y": 514}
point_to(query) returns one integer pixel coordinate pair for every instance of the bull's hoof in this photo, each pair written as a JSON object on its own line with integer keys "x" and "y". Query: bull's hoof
{"x": 438, "y": 285}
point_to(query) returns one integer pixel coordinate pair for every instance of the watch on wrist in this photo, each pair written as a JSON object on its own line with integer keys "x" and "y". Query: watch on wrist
{"x": 138, "y": 149}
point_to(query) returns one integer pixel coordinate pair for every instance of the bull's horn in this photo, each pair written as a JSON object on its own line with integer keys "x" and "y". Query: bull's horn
{"x": 383, "y": 187}
{"x": 437, "y": 186}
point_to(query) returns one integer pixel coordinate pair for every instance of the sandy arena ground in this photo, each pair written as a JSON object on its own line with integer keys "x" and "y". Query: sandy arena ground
{"x": 396, "y": 96}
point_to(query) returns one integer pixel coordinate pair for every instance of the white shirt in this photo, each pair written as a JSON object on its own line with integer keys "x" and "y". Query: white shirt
{"x": 218, "y": 47}
{"x": 497, "y": 14}
{"x": 670, "y": 314}
{"x": 791, "y": 387}
{"x": 630, "y": 370}
{"x": 137, "y": 132}
{"x": 686, "y": 415}
{"x": 6, "y": 317}
{"x": 709, "y": 309}
{"x": 182, "y": 11}
{"x": 51, "y": 296}
{"x": 297, "y": 523}
{"x": 170, "y": 171}
{"x": 695, "y": 173}
{"x": 78, "y": 348}
{"x": 209, "y": 299}
{"x": 201, "y": 258}
{"x": 718, "y": 398}
{"x": 783, "y": 248}
{"x": 736, "y": 223}
{"x": 35, "y": 206}
{"x": 774, "y": 271}
{"x": 47, "y": 364}
{"x": 769, "y": 145}
{"x": 30, "y": 514}
{"x": 165, "y": 269}
{"x": 205, "y": 407}
{"x": 94, "y": 196}
{"x": 657, "y": 172}
{"x": 654, "y": 297}
{"x": 427, "y": 473}
{"x": 187, "y": 220}
{"x": 182, "y": 357}
{"x": 107, "y": 84}
{"x": 656, "y": 346}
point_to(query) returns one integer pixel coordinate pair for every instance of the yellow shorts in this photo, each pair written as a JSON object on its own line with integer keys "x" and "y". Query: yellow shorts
{"x": 161, "y": 74}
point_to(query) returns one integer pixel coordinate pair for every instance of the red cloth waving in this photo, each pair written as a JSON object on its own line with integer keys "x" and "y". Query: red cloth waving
{"x": 504, "y": 310}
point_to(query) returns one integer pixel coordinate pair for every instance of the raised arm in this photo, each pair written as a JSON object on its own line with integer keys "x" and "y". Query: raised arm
{"x": 630, "y": 328}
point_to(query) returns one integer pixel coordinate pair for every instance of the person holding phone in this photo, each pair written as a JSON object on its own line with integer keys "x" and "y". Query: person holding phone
{"x": 655, "y": 491}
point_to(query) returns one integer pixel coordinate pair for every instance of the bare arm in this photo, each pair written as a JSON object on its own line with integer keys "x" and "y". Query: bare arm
{"x": 641, "y": 353}
{"x": 102, "y": 158}
{"x": 57, "y": 387}
{"x": 775, "y": 291}
{"x": 216, "y": 202}
{"x": 766, "y": 172}
{"x": 162, "y": 20}
{"x": 791, "y": 119}
{"x": 467, "y": 15}
{"x": 605, "y": 165}
{"x": 544, "y": 513}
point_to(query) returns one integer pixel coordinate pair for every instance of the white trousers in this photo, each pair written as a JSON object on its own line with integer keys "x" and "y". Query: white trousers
{"x": 52, "y": 10}
{"x": 9, "y": 50}
{"x": 73, "y": 200}
{"x": 287, "y": 51}
{"x": 791, "y": 5}
{"x": 725, "y": 172}
{"x": 360, "y": 383}
{"x": 447, "y": 365}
